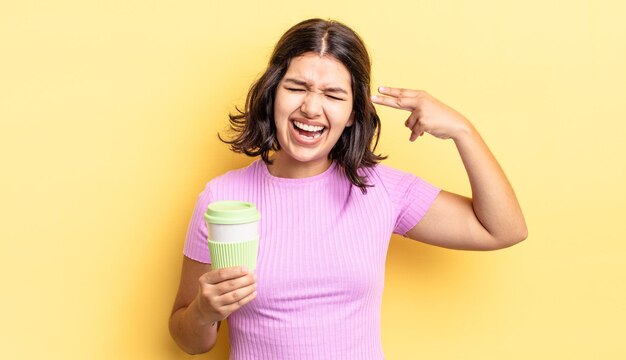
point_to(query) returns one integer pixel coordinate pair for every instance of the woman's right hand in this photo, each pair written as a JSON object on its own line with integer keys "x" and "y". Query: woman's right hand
{"x": 223, "y": 291}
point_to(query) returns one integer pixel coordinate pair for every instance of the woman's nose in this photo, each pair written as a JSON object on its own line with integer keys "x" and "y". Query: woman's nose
{"x": 311, "y": 105}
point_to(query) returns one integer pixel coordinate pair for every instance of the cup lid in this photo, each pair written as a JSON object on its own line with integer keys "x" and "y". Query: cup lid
{"x": 231, "y": 212}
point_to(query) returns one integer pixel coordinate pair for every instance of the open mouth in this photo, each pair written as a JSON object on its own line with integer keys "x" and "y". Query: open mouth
{"x": 308, "y": 132}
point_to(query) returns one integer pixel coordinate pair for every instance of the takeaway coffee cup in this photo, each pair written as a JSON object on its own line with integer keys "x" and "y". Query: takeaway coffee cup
{"x": 233, "y": 233}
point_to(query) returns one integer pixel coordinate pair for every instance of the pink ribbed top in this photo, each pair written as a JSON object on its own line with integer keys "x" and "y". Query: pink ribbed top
{"x": 321, "y": 263}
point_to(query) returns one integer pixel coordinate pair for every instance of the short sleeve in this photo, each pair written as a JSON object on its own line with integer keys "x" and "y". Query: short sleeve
{"x": 410, "y": 195}
{"x": 417, "y": 196}
{"x": 196, "y": 244}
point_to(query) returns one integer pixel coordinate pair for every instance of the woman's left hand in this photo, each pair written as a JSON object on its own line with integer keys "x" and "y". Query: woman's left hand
{"x": 427, "y": 113}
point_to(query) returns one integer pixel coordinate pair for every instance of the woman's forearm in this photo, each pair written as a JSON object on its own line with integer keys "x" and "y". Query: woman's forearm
{"x": 192, "y": 334}
{"x": 493, "y": 198}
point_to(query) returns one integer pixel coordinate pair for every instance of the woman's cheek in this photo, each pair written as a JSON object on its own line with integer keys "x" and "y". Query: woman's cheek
{"x": 339, "y": 115}
{"x": 292, "y": 103}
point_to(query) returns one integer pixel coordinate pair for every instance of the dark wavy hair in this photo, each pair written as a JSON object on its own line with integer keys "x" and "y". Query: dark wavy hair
{"x": 254, "y": 127}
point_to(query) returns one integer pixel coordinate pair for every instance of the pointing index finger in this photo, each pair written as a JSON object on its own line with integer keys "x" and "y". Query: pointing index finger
{"x": 397, "y": 92}
{"x": 394, "y": 102}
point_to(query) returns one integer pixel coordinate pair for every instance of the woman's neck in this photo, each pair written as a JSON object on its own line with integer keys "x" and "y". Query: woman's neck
{"x": 287, "y": 167}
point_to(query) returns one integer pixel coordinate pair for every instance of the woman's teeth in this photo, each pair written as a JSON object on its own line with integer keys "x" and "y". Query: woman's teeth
{"x": 308, "y": 132}
{"x": 312, "y": 137}
{"x": 308, "y": 127}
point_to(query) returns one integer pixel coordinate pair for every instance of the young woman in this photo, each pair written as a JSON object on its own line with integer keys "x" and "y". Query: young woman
{"x": 328, "y": 207}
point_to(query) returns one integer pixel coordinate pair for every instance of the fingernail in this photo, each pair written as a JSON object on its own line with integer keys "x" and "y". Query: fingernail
{"x": 374, "y": 97}
{"x": 254, "y": 277}
{"x": 244, "y": 269}
{"x": 381, "y": 88}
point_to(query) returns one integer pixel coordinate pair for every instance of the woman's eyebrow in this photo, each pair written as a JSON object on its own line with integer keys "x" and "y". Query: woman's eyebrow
{"x": 305, "y": 84}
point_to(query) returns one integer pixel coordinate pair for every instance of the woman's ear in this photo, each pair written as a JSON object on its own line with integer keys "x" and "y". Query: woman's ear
{"x": 350, "y": 120}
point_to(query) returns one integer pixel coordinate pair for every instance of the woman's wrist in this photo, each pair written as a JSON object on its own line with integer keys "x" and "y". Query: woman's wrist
{"x": 198, "y": 315}
{"x": 465, "y": 133}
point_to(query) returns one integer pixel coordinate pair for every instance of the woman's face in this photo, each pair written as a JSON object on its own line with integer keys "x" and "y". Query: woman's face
{"x": 313, "y": 105}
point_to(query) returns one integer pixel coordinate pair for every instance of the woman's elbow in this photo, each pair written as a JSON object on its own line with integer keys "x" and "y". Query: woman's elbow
{"x": 188, "y": 345}
{"x": 524, "y": 234}
{"x": 514, "y": 238}
{"x": 196, "y": 349}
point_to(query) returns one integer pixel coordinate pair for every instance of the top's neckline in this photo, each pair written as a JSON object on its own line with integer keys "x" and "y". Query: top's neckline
{"x": 309, "y": 179}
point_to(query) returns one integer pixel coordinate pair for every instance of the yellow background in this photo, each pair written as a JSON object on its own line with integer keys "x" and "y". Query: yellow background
{"x": 109, "y": 112}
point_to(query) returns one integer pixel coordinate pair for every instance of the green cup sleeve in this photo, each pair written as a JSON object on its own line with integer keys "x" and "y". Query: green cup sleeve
{"x": 227, "y": 254}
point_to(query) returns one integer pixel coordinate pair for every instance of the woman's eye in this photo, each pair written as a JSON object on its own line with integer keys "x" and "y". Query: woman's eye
{"x": 304, "y": 90}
